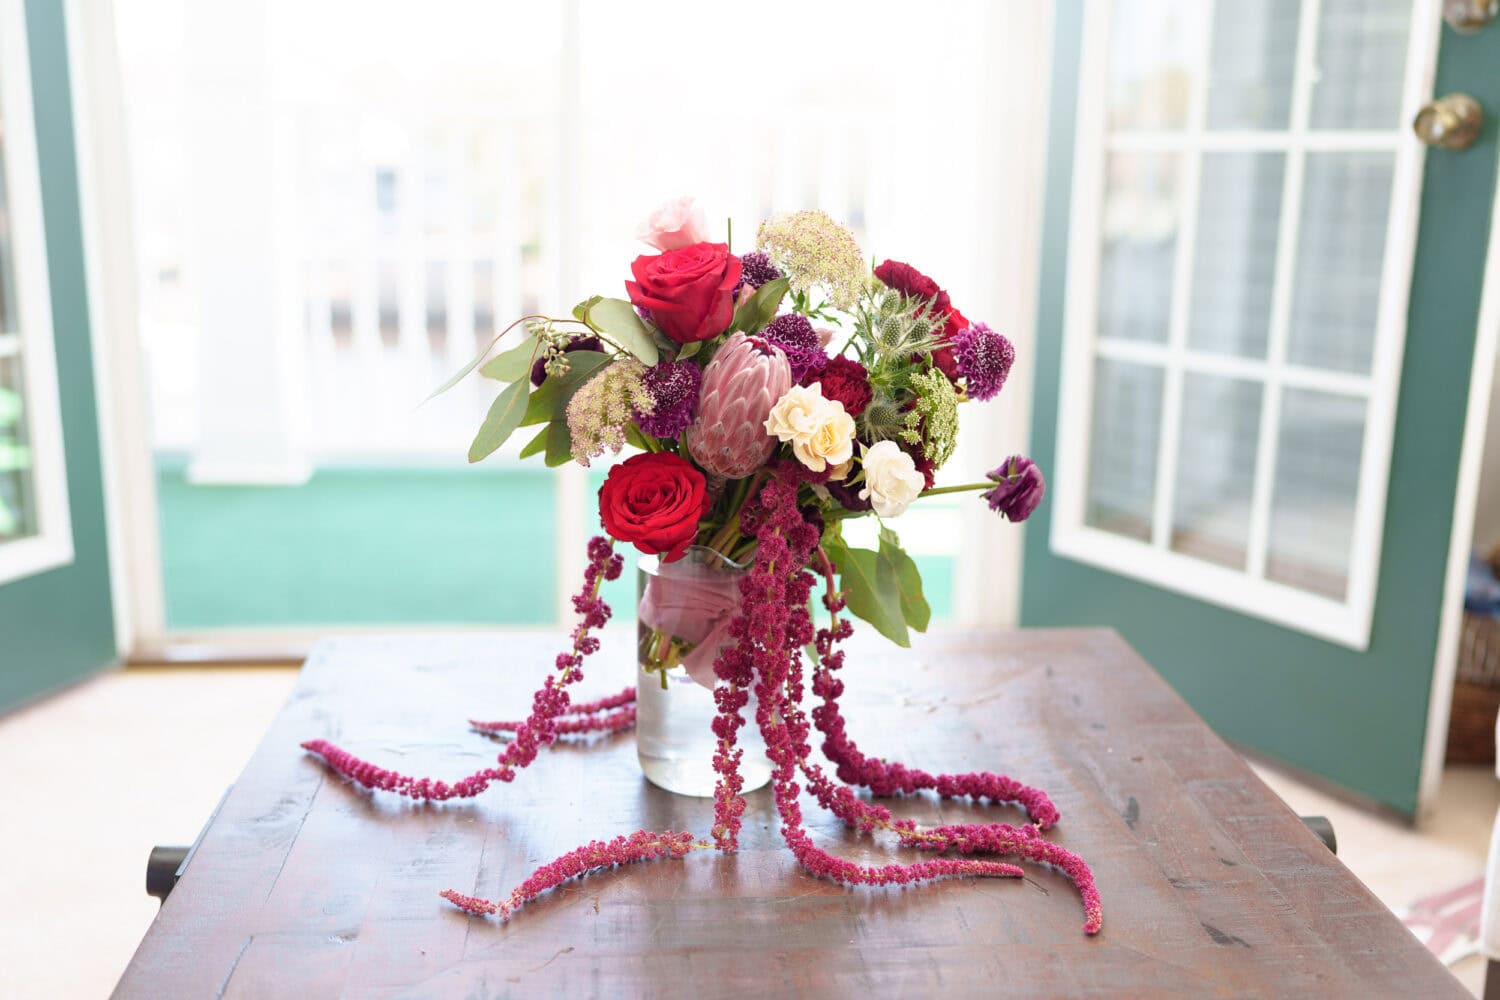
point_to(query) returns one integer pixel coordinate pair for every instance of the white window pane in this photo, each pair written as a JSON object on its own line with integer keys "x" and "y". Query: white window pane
{"x": 1239, "y": 208}
{"x": 1150, "y": 63}
{"x": 17, "y": 492}
{"x": 1123, "y": 447}
{"x": 1340, "y": 251}
{"x": 1361, "y": 63}
{"x": 1140, "y": 242}
{"x": 1250, "y": 72}
{"x": 1317, "y": 478}
{"x": 1216, "y": 468}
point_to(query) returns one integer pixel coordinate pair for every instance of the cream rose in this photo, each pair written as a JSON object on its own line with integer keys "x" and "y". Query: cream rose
{"x": 820, "y": 431}
{"x": 892, "y": 481}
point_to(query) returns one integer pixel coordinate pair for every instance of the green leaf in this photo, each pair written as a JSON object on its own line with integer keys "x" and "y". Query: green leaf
{"x": 688, "y": 350}
{"x": 502, "y": 420}
{"x": 514, "y": 363}
{"x": 466, "y": 369}
{"x": 581, "y": 310}
{"x": 559, "y": 444}
{"x": 914, "y": 606}
{"x": 871, "y": 588}
{"x": 636, "y": 437}
{"x": 536, "y": 445}
{"x": 759, "y": 309}
{"x": 550, "y": 402}
{"x": 617, "y": 319}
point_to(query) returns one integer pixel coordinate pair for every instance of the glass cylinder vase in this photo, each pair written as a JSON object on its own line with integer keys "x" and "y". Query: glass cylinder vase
{"x": 683, "y": 616}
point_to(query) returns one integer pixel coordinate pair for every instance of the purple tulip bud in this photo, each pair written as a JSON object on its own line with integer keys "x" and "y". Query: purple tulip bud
{"x": 1018, "y": 488}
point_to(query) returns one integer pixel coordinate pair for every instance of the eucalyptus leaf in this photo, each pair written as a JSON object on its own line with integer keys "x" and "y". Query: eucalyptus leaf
{"x": 537, "y": 444}
{"x": 550, "y": 402}
{"x": 871, "y": 588}
{"x": 581, "y": 310}
{"x": 466, "y": 369}
{"x": 513, "y": 364}
{"x": 914, "y": 606}
{"x": 618, "y": 320}
{"x": 559, "y": 444}
{"x": 759, "y": 309}
{"x": 688, "y": 350}
{"x": 636, "y": 437}
{"x": 501, "y": 422}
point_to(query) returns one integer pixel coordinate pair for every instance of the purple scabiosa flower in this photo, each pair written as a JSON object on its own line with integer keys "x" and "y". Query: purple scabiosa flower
{"x": 757, "y": 269}
{"x": 984, "y": 358}
{"x": 1018, "y": 488}
{"x": 673, "y": 386}
{"x": 539, "y": 368}
{"x": 795, "y": 335}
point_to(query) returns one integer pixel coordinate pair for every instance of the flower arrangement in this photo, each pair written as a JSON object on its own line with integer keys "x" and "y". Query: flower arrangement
{"x": 756, "y": 439}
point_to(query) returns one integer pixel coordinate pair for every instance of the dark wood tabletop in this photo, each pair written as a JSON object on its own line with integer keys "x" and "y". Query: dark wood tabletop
{"x": 305, "y": 886}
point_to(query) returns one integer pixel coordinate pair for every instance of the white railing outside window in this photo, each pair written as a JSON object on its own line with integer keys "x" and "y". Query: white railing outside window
{"x": 416, "y": 184}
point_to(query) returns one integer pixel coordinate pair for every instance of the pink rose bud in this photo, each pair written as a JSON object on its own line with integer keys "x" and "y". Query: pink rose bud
{"x": 674, "y": 225}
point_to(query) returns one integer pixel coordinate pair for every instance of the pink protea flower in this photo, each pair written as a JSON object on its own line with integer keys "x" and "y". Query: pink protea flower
{"x": 745, "y": 379}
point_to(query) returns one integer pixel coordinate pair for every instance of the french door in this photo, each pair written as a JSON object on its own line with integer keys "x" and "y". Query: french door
{"x": 56, "y": 623}
{"x": 1259, "y": 306}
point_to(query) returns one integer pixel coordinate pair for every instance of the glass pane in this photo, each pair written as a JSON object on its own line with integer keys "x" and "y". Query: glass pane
{"x": 1239, "y": 209}
{"x": 1340, "y": 249}
{"x": 1140, "y": 242}
{"x": 1250, "y": 72}
{"x": 1312, "y": 503}
{"x": 1123, "y": 444}
{"x": 1150, "y": 64}
{"x": 17, "y": 496}
{"x": 1361, "y": 64}
{"x": 1216, "y": 468}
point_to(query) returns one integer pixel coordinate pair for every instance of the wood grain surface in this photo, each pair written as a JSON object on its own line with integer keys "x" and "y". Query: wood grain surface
{"x": 306, "y": 886}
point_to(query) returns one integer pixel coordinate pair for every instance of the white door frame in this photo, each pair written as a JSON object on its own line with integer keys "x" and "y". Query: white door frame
{"x": 1461, "y": 539}
{"x": 104, "y": 200}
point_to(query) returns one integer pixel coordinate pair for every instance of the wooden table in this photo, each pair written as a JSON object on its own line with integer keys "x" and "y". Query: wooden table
{"x": 306, "y": 886}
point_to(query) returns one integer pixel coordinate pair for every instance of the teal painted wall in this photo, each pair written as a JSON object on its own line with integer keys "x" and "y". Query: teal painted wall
{"x": 56, "y": 627}
{"x": 1356, "y": 718}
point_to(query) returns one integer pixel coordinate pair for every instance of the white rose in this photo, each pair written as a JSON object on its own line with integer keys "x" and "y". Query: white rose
{"x": 892, "y": 481}
{"x": 820, "y": 431}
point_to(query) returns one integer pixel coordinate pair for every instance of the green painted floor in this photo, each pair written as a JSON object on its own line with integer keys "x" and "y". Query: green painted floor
{"x": 380, "y": 546}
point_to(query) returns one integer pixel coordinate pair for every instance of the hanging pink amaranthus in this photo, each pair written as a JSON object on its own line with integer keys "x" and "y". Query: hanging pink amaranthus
{"x": 539, "y": 729}
{"x": 771, "y": 630}
{"x": 611, "y": 714}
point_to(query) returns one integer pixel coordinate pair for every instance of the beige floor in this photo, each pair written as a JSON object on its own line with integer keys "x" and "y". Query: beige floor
{"x": 103, "y": 772}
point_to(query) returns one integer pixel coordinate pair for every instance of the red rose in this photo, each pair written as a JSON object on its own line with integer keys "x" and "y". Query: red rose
{"x": 909, "y": 281}
{"x": 654, "y": 501}
{"x": 845, "y": 380}
{"x": 688, "y": 292}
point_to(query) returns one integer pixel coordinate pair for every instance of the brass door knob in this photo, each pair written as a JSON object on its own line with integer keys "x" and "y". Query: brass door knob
{"x": 1468, "y": 16}
{"x": 1452, "y": 121}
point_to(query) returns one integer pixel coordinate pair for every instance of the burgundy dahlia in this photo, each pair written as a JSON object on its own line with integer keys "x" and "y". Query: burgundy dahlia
{"x": 1018, "y": 488}
{"x": 795, "y": 335}
{"x": 674, "y": 390}
{"x": 984, "y": 358}
{"x": 845, "y": 380}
